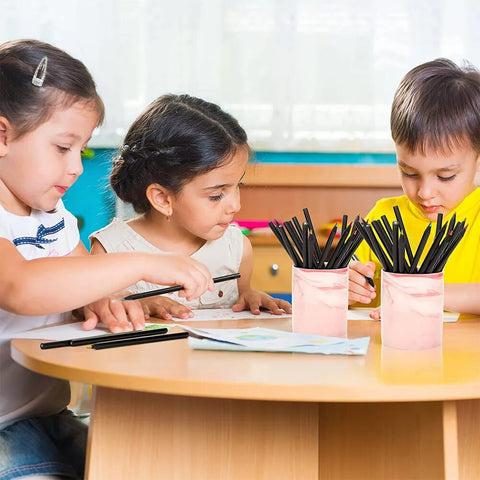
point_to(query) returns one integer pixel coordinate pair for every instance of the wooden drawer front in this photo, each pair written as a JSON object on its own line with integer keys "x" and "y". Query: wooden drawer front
{"x": 265, "y": 276}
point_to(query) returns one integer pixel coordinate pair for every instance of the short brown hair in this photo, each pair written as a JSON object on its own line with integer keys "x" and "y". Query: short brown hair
{"x": 437, "y": 105}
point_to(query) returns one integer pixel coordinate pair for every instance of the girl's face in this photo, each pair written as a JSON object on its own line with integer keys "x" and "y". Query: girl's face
{"x": 38, "y": 168}
{"x": 207, "y": 204}
{"x": 437, "y": 182}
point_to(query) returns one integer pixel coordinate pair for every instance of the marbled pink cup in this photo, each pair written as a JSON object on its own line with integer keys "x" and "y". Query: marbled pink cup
{"x": 320, "y": 301}
{"x": 412, "y": 310}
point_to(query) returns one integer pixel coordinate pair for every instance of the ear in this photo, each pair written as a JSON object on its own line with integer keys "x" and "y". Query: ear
{"x": 160, "y": 199}
{"x": 5, "y": 133}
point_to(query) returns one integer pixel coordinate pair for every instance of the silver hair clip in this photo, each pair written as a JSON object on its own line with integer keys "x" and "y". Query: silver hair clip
{"x": 40, "y": 72}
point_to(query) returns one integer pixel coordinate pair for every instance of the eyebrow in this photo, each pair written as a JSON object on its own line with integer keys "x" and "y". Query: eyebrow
{"x": 70, "y": 135}
{"x": 443, "y": 169}
{"x": 214, "y": 187}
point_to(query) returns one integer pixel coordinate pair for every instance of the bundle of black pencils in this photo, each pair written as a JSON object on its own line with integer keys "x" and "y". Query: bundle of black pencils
{"x": 391, "y": 245}
{"x": 301, "y": 243}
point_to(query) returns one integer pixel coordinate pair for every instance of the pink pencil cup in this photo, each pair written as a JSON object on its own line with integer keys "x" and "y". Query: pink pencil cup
{"x": 320, "y": 301}
{"x": 412, "y": 310}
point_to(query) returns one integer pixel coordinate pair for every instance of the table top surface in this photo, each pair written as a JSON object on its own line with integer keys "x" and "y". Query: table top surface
{"x": 383, "y": 375}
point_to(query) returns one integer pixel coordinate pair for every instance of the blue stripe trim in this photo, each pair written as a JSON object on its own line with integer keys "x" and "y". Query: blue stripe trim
{"x": 42, "y": 232}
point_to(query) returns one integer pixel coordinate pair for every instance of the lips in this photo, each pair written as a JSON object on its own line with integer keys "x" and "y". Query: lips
{"x": 430, "y": 208}
{"x": 61, "y": 189}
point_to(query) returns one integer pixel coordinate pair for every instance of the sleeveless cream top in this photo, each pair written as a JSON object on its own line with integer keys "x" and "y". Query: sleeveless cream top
{"x": 222, "y": 257}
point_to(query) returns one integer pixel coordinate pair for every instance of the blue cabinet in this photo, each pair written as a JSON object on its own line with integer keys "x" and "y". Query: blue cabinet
{"x": 91, "y": 199}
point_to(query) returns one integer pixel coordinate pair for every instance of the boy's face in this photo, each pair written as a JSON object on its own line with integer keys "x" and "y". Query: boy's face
{"x": 438, "y": 181}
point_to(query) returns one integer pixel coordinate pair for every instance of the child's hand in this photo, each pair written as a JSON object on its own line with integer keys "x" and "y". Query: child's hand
{"x": 375, "y": 314}
{"x": 174, "y": 269}
{"x": 358, "y": 288}
{"x": 118, "y": 315}
{"x": 165, "y": 308}
{"x": 253, "y": 299}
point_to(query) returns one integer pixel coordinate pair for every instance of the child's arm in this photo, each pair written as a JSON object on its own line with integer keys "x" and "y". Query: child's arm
{"x": 159, "y": 306}
{"x": 358, "y": 288}
{"x": 462, "y": 298}
{"x": 254, "y": 299}
{"x": 116, "y": 315}
{"x": 59, "y": 284}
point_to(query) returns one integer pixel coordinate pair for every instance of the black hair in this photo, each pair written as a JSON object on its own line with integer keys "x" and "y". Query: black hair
{"x": 66, "y": 82}
{"x": 437, "y": 105}
{"x": 176, "y": 138}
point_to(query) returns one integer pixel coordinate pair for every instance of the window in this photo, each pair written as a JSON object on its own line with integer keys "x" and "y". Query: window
{"x": 300, "y": 75}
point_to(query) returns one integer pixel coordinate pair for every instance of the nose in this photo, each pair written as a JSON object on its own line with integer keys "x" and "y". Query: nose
{"x": 425, "y": 190}
{"x": 234, "y": 204}
{"x": 75, "y": 165}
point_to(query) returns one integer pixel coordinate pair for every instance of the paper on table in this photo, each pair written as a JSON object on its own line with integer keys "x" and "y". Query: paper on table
{"x": 269, "y": 340}
{"x": 75, "y": 330}
{"x": 70, "y": 331}
{"x": 227, "y": 314}
{"x": 363, "y": 314}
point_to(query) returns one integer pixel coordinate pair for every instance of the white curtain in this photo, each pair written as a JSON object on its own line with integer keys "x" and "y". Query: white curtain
{"x": 300, "y": 75}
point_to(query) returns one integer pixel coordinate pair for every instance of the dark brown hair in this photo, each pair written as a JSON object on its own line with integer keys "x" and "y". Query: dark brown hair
{"x": 437, "y": 105}
{"x": 67, "y": 81}
{"x": 176, "y": 138}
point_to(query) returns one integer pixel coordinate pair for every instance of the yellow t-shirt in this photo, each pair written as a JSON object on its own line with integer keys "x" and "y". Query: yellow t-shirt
{"x": 463, "y": 265}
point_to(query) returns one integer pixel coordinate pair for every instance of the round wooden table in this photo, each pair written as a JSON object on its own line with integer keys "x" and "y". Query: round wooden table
{"x": 165, "y": 411}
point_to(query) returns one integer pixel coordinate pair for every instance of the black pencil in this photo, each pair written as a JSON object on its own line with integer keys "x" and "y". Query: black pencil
{"x": 305, "y": 245}
{"x": 446, "y": 248}
{"x": 340, "y": 247}
{"x": 432, "y": 252}
{"x": 316, "y": 247}
{"x": 387, "y": 226}
{"x": 383, "y": 237}
{"x": 395, "y": 226}
{"x": 439, "y": 222}
{"x": 377, "y": 248}
{"x": 408, "y": 249}
{"x": 296, "y": 257}
{"x": 76, "y": 342}
{"x": 297, "y": 225}
{"x": 401, "y": 253}
{"x": 328, "y": 245}
{"x": 176, "y": 288}
{"x": 297, "y": 239}
{"x": 420, "y": 248}
{"x": 139, "y": 341}
{"x": 455, "y": 242}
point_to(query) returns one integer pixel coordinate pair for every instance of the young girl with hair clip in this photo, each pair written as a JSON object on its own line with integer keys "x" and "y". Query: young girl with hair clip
{"x": 435, "y": 124}
{"x": 48, "y": 109}
{"x": 181, "y": 168}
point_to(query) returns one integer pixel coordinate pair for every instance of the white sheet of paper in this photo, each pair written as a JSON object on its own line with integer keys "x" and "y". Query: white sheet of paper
{"x": 204, "y": 314}
{"x": 363, "y": 314}
{"x": 69, "y": 331}
{"x": 75, "y": 330}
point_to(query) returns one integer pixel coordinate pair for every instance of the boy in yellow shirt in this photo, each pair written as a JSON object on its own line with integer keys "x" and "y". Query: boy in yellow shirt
{"x": 435, "y": 124}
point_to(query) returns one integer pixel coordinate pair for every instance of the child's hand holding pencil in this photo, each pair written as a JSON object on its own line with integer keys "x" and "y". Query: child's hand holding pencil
{"x": 360, "y": 290}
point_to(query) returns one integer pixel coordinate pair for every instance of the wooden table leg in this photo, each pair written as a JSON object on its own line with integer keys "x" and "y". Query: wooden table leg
{"x": 450, "y": 440}
{"x": 150, "y": 436}
{"x": 468, "y": 427}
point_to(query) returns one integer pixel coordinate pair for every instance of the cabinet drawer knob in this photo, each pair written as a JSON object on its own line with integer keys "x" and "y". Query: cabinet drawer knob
{"x": 274, "y": 269}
